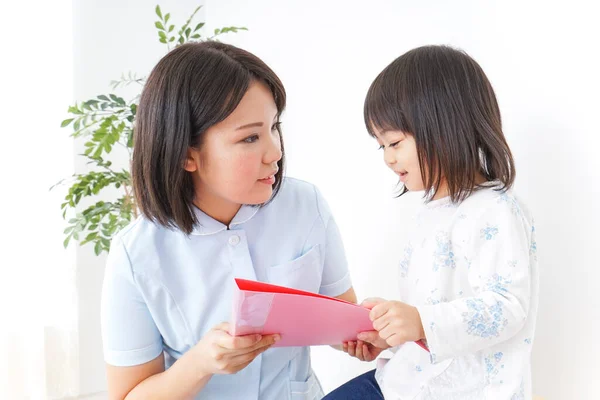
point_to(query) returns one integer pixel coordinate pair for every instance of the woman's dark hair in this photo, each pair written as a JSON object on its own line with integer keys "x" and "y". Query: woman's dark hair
{"x": 442, "y": 97}
{"x": 192, "y": 88}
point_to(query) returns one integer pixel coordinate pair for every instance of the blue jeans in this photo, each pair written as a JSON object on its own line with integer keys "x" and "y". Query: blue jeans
{"x": 363, "y": 387}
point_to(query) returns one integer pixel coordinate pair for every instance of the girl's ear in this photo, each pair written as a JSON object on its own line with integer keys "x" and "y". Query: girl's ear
{"x": 191, "y": 164}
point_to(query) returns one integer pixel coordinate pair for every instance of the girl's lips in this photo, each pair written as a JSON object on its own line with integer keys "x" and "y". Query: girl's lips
{"x": 402, "y": 175}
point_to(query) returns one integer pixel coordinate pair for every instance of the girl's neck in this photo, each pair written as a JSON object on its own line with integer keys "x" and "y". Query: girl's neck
{"x": 444, "y": 192}
{"x": 441, "y": 192}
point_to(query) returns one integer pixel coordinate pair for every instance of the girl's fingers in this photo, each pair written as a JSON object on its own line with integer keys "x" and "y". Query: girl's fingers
{"x": 380, "y": 324}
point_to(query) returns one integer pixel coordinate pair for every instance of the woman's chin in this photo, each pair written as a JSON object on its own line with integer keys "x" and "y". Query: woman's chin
{"x": 259, "y": 196}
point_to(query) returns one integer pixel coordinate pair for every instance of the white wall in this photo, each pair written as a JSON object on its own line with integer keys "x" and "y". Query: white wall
{"x": 37, "y": 274}
{"x": 541, "y": 58}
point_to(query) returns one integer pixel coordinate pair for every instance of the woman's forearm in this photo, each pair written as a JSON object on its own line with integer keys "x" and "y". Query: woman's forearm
{"x": 183, "y": 380}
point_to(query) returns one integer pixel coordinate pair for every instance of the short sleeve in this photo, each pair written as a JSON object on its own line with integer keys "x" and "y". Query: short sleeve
{"x": 336, "y": 278}
{"x": 129, "y": 334}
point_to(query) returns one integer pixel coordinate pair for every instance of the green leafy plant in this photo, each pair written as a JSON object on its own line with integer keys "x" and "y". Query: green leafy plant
{"x": 106, "y": 122}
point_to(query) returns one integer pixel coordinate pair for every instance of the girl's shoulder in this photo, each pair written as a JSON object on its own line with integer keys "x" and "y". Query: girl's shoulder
{"x": 492, "y": 201}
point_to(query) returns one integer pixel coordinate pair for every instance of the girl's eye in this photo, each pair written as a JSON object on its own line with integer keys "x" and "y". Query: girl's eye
{"x": 381, "y": 147}
{"x": 395, "y": 143}
{"x": 251, "y": 139}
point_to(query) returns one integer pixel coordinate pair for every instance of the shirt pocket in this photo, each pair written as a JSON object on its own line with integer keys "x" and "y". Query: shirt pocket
{"x": 303, "y": 273}
{"x": 306, "y": 390}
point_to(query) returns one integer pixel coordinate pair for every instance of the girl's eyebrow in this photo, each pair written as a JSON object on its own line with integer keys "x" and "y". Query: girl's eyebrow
{"x": 252, "y": 125}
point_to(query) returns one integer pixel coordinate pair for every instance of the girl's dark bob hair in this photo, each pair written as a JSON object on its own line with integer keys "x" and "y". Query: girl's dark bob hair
{"x": 442, "y": 97}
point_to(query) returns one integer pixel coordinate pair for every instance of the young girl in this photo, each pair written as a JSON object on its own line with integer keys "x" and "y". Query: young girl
{"x": 208, "y": 177}
{"x": 468, "y": 273}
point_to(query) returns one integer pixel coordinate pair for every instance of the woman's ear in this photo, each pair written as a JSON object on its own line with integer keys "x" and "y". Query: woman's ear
{"x": 191, "y": 164}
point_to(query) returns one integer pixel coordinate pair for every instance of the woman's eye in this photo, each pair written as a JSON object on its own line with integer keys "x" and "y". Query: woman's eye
{"x": 395, "y": 143}
{"x": 381, "y": 147}
{"x": 251, "y": 139}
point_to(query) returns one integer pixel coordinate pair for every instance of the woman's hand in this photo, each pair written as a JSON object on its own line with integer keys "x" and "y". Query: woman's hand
{"x": 220, "y": 353}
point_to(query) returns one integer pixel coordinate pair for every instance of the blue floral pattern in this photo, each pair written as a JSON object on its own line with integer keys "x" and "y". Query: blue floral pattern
{"x": 492, "y": 364}
{"x": 489, "y": 232}
{"x": 443, "y": 255}
{"x": 497, "y": 283}
{"x": 405, "y": 262}
{"x": 512, "y": 202}
{"x": 483, "y": 320}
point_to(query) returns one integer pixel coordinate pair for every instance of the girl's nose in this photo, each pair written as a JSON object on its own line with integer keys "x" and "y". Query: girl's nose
{"x": 389, "y": 157}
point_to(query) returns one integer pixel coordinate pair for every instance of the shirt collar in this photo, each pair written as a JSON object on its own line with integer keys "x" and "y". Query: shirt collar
{"x": 209, "y": 226}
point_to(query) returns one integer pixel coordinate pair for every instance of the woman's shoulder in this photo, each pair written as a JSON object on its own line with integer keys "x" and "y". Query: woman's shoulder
{"x": 302, "y": 197}
{"x": 139, "y": 231}
{"x": 140, "y": 239}
{"x": 298, "y": 188}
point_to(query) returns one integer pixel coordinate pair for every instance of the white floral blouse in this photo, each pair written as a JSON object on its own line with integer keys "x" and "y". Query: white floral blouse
{"x": 471, "y": 271}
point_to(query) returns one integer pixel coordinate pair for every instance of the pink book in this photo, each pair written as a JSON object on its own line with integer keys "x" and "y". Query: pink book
{"x": 301, "y": 318}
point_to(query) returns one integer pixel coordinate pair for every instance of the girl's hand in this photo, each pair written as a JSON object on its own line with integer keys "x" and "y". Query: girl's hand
{"x": 369, "y": 345}
{"x": 373, "y": 336}
{"x": 220, "y": 353}
{"x": 397, "y": 322}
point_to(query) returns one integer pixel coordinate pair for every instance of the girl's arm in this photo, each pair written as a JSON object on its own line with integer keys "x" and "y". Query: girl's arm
{"x": 501, "y": 272}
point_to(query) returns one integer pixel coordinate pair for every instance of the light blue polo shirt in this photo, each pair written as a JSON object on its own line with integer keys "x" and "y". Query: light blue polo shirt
{"x": 163, "y": 290}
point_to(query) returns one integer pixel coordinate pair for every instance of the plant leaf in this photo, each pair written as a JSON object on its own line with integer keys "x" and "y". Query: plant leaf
{"x": 66, "y": 122}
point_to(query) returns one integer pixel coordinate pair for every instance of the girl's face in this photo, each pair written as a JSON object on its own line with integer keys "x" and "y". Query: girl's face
{"x": 237, "y": 159}
{"x": 400, "y": 155}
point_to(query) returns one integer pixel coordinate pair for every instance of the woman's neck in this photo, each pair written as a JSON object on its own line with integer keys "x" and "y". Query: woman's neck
{"x": 217, "y": 208}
